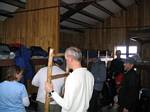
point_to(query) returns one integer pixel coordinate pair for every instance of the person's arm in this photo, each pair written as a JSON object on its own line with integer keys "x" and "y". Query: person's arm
{"x": 111, "y": 67}
{"x": 35, "y": 80}
{"x": 26, "y": 101}
{"x": 71, "y": 88}
{"x": 102, "y": 72}
{"x": 25, "y": 98}
{"x": 69, "y": 96}
{"x": 133, "y": 80}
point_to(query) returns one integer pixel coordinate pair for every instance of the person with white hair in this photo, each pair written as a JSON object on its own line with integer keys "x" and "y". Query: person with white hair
{"x": 78, "y": 86}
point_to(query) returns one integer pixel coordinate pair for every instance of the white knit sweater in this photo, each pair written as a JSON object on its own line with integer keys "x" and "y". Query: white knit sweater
{"x": 78, "y": 91}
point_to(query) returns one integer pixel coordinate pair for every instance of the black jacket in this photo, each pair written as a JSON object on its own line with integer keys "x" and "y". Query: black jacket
{"x": 129, "y": 91}
{"x": 116, "y": 66}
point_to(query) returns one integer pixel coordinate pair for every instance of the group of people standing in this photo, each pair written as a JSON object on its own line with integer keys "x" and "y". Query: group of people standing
{"x": 126, "y": 83}
{"x": 80, "y": 89}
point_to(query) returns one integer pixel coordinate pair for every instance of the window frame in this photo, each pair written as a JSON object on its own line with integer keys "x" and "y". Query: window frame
{"x": 126, "y": 54}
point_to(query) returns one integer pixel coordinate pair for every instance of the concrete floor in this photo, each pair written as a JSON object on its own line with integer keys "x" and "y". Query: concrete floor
{"x": 109, "y": 109}
{"x": 104, "y": 109}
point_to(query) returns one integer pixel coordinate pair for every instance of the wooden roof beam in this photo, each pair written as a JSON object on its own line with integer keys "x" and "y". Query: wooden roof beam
{"x": 91, "y": 16}
{"x": 16, "y": 3}
{"x": 72, "y": 10}
{"x": 100, "y": 7}
{"x": 5, "y": 13}
{"x": 119, "y": 4}
{"x": 75, "y": 21}
{"x": 63, "y": 4}
{"x": 72, "y": 29}
{"x": 140, "y": 32}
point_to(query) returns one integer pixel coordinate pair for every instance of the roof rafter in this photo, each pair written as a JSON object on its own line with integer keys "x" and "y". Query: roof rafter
{"x": 63, "y": 4}
{"x": 83, "y": 12}
{"x": 72, "y": 10}
{"x": 5, "y": 13}
{"x": 119, "y": 4}
{"x": 16, "y": 3}
{"x": 72, "y": 29}
{"x": 100, "y": 7}
{"x": 75, "y": 21}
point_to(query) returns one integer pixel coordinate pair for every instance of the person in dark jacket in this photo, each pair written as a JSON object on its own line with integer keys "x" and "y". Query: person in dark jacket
{"x": 128, "y": 93}
{"x": 116, "y": 66}
{"x": 115, "y": 76}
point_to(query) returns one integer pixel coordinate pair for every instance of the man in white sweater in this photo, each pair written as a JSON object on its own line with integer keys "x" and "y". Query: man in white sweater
{"x": 78, "y": 87}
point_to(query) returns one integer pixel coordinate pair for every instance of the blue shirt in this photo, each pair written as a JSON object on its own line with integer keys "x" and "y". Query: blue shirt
{"x": 11, "y": 96}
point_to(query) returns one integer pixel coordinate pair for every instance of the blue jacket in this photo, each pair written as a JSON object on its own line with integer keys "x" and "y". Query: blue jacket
{"x": 98, "y": 70}
{"x": 22, "y": 59}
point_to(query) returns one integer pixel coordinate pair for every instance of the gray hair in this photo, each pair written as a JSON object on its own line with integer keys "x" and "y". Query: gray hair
{"x": 74, "y": 52}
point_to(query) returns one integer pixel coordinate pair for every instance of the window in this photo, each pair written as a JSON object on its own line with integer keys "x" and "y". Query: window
{"x": 123, "y": 49}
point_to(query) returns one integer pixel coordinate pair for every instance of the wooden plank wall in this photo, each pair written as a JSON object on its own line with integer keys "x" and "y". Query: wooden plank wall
{"x": 68, "y": 39}
{"x": 1, "y": 32}
{"x": 114, "y": 29}
{"x": 39, "y": 27}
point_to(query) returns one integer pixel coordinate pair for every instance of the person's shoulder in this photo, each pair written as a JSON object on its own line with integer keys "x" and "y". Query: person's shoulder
{"x": 57, "y": 70}
{"x": 2, "y": 83}
{"x": 55, "y": 67}
{"x": 17, "y": 85}
{"x": 20, "y": 84}
{"x": 133, "y": 71}
{"x": 43, "y": 69}
{"x": 95, "y": 64}
{"x": 101, "y": 63}
{"x": 113, "y": 61}
{"x": 83, "y": 71}
{"x": 77, "y": 72}
{"x": 90, "y": 75}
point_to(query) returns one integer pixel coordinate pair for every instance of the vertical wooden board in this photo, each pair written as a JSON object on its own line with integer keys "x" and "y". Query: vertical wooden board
{"x": 34, "y": 25}
{"x": 146, "y": 12}
{"x": 1, "y": 29}
{"x": 146, "y": 52}
{"x": 132, "y": 16}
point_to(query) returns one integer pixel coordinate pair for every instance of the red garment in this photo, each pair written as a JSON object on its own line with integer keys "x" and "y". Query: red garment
{"x": 118, "y": 79}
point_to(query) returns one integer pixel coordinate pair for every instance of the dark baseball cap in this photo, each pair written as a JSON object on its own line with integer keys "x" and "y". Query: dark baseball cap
{"x": 58, "y": 60}
{"x": 130, "y": 60}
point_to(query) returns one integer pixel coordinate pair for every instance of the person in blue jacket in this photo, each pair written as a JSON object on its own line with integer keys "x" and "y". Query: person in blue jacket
{"x": 13, "y": 95}
{"x": 98, "y": 69}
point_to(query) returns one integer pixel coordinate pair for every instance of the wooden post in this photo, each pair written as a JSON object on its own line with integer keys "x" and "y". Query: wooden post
{"x": 49, "y": 74}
